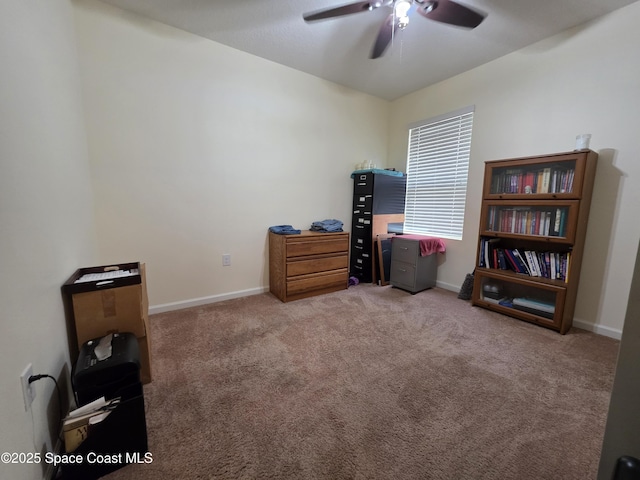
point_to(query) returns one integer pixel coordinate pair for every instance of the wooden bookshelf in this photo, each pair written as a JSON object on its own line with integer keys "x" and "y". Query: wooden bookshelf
{"x": 531, "y": 238}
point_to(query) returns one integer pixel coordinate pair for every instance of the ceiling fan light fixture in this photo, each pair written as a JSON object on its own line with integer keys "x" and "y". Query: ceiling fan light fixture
{"x": 448, "y": 11}
{"x": 401, "y": 8}
{"x": 428, "y": 6}
{"x": 401, "y": 12}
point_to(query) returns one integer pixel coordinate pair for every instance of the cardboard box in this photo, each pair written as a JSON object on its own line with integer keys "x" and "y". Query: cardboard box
{"x": 114, "y": 305}
{"x": 145, "y": 359}
{"x": 109, "y": 311}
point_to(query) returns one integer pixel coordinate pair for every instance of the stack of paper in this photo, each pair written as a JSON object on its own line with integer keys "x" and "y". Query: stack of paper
{"x": 538, "y": 305}
{"x": 76, "y": 427}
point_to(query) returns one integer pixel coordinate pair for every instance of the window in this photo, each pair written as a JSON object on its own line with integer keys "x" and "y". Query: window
{"x": 437, "y": 170}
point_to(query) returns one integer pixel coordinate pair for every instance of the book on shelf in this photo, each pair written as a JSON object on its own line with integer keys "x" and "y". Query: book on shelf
{"x": 502, "y": 260}
{"x": 551, "y": 179}
{"x": 551, "y": 265}
{"x": 546, "y": 173}
{"x": 523, "y": 263}
{"x": 533, "y": 311}
{"x": 516, "y": 261}
{"x": 534, "y": 306}
{"x": 487, "y": 258}
{"x": 495, "y": 301}
{"x": 534, "y": 266}
{"x": 536, "y": 221}
{"x": 535, "y": 303}
{"x": 511, "y": 261}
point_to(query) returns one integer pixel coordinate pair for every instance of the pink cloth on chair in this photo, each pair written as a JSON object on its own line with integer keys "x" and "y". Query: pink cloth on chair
{"x": 428, "y": 245}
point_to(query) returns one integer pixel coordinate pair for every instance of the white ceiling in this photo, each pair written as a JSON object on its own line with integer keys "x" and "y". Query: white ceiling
{"x": 338, "y": 49}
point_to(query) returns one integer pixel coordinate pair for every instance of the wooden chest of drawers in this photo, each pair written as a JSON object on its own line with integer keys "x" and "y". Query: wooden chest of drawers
{"x": 308, "y": 264}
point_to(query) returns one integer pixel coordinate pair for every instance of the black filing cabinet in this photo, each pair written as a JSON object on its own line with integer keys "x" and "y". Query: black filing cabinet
{"x": 378, "y": 198}
{"x": 122, "y": 435}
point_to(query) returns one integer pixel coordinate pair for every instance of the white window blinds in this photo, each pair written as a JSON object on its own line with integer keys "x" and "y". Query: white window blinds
{"x": 437, "y": 170}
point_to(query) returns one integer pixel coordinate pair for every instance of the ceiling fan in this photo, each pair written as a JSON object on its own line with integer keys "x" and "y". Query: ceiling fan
{"x": 445, "y": 11}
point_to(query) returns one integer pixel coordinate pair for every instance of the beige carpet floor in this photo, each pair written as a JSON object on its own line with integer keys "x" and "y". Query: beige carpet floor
{"x": 371, "y": 383}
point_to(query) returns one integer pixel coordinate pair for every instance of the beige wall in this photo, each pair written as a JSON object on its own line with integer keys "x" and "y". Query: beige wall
{"x": 535, "y": 101}
{"x": 197, "y": 148}
{"x": 46, "y": 215}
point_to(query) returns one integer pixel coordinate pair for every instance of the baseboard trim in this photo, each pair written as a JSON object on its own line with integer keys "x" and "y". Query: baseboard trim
{"x": 197, "y": 302}
{"x": 448, "y": 286}
{"x": 599, "y": 329}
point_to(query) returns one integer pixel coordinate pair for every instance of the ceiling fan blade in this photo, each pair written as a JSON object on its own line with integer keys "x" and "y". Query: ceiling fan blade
{"x": 356, "y": 7}
{"x": 448, "y": 11}
{"x": 384, "y": 37}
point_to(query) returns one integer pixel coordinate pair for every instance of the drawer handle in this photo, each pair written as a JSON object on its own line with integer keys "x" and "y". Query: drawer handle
{"x": 404, "y": 248}
{"x": 402, "y": 270}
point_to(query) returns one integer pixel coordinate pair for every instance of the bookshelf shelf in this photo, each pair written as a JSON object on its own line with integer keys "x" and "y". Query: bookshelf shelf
{"x": 552, "y": 219}
{"x": 531, "y": 237}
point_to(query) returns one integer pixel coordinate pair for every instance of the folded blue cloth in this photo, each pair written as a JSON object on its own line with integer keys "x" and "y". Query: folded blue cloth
{"x": 284, "y": 230}
{"x": 379, "y": 171}
{"x": 330, "y": 225}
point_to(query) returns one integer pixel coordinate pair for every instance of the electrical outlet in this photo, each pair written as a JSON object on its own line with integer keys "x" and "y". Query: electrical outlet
{"x": 226, "y": 260}
{"x": 28, "y": 390}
